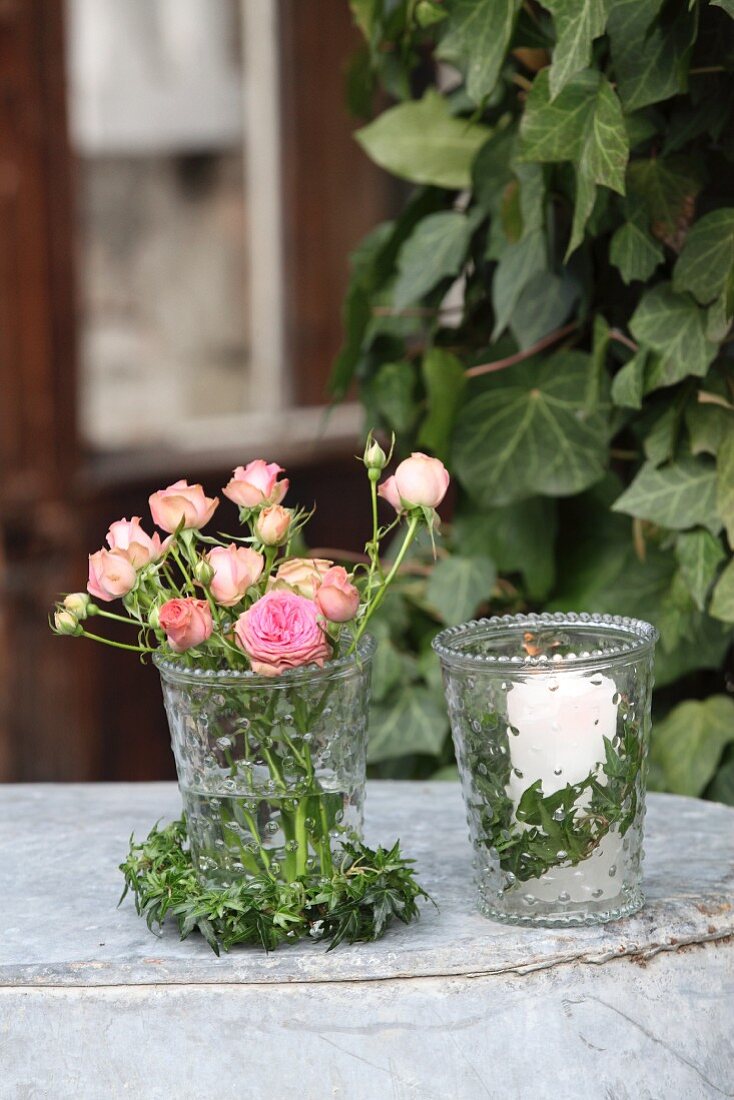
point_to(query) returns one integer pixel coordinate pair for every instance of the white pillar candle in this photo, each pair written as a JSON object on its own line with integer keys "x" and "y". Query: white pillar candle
{"x": 561, "y": 721}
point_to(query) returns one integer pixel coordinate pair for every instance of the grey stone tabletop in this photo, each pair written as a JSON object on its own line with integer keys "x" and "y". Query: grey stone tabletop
{"x": 455, "y": 1007}
{"x": 60, "y": 847}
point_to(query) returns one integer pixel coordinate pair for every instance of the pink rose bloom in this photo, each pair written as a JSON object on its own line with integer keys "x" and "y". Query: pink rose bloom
{"x": 186, "y": 622}
{"x": 388, "y": 490}
{"x": 256, "y": 483}
{"x": 282, "y": 631}
{"x": 418, "y": 481}
{"x": 303, "y": 575}
{"x": 182, "y": 501}
{"x": 111, "y": 575}
{"x": 140, "y": 547}
{"x": 236, "y": 568}
{"x": 337, "y": 599}
{"x": 273, "y": 524}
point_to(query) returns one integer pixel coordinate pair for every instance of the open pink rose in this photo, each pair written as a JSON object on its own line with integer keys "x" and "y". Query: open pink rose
{"x": 418, "y": 481}
{"x": 282, "y": 631}
{"x": 273, "y": 524}
{"x": 182, "y": 501}
{"x": 111, "y": 575}
{"x": 140, "y": 547}
{"x": 336, "y": 598}
{"x": 303, "y": 575}
{"x": 236, "y": 568}
{"x": 256, "y": 484}
{"x": 186, "y": 622}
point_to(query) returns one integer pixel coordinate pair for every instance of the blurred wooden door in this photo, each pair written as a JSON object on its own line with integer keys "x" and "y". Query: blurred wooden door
{"x": 68, "y": 709}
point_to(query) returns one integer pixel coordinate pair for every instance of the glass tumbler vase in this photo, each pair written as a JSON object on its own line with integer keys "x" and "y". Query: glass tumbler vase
{"x": 271, "y": 769}
{"x": 550, "y": 716}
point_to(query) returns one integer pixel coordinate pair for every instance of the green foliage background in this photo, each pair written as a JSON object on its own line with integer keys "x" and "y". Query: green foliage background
{"x": 571, "y": 179}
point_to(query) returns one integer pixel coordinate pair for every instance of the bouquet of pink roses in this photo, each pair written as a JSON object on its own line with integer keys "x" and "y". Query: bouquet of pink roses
{"x": 264, "y": 660}
{"x": 242, "y": 601}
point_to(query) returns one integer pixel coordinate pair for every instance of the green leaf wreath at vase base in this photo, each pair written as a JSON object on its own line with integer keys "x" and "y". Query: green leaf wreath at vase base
{"x": 367, "y": 890}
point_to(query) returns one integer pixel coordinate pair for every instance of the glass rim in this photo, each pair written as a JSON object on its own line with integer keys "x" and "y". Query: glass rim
{"x": 641, "y": 636}
{"x": 172, "y": 669}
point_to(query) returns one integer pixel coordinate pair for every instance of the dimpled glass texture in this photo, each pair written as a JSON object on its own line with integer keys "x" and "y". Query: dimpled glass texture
{"x": 271, "y": 769}
{"x": 550, "y": 716}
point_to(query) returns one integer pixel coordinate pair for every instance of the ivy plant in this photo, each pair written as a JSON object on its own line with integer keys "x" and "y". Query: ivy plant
{"x": 551, "y": 314}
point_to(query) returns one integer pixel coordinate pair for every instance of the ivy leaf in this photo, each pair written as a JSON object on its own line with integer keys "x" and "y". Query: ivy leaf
{"x": 725, "y": 484}
{"x": 458, "y": 585}
{"x": 519, "y": 538}
{"x": 668, "y": 187}
{"x": 722, "y": 601}
{"x": 445, "y": 381}
{"x": 675, "y": 327}
{"x": 395, "y": 395}
{"x": 707, "y": 259}
{"x": 628, "y": 386}
{"x": 477, "y": 34}
{"x": 687, "y": 745}
{"x": 661, "y": 440}
{"x": 423, "y": 142}
{"x": 529, "y": 432}
{"x": 518, "y": 264}
{"x": 634, "y": 252}
{"x": 413, "y": 722}
{"x": 677, "y": 496}
{"x": 650, "y": 62}
{"x": 543, "y": 305}
{"x": 699, "y": 555}
{"x": 435, "y": 250}
{"x": 584, "y": 124}
{"x": 577, "y": 23}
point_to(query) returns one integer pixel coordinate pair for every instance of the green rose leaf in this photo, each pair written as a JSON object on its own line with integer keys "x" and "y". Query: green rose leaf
{"x": 577, "y": 23}
{"x": 434, "y": 251}
{"x": 699, "y": 555}
{"x": 423, "y": 142}
{"x": 727, "y": 5}
{"x": 458, "y": 585}
{"x": 707, "y": 259}
{"x": 677, "y": 496}
{"x": 687, "y": 745}
{"x": 675, "y": 327}
{"x": 414, "y": 721}
{"x": 476, "y": 36}
{"x": 722, "y": 601}
{"x": 650, "y": 58}
{"x": 445, "y": 380}
{"x": 529, "y": 432}
{"x": 725, "y": 484}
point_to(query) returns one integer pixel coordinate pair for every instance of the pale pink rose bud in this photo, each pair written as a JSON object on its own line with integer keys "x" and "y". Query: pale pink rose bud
{"x": 421, "y": 481}
{"x": 388, "y": 490}
{"x": 256, "y": 484}
{"x": 111, "y": 575}
{"x": 273, "y": 524}
{"x": 234, "y": 570}
{"x": 140, "y": 547}
{"x": 182, "y": 501}
{"x": 187, "y": 623}
{"x": 280, "y": 631}
{"x": 337, "y": 598}
{"x": 66, "y": 623}
{"x": 303, "y": 575}
{"x": 78, "y": 604}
